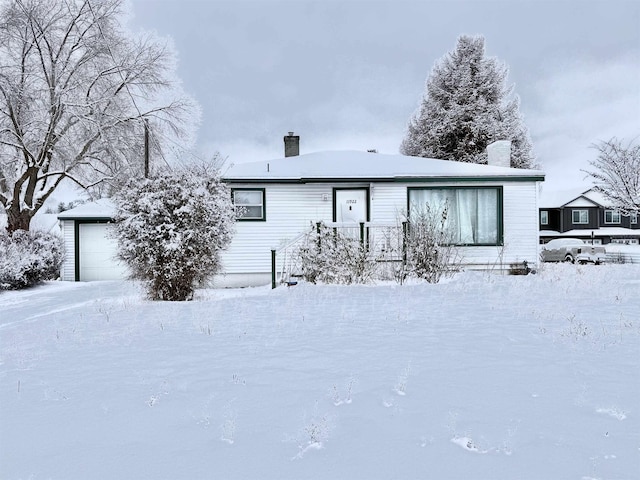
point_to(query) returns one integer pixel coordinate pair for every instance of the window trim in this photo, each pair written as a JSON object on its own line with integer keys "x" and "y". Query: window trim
{"x": 573, "y": 216}
{"x": 544, "y": 217}
{"x": 633, "y": 218}
{"x": 499, "y": 209}
{"x": 612, "y": 213}
{"x": 263, "y": 193}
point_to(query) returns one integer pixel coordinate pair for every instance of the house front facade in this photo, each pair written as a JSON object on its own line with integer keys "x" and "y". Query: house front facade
{"x": 585, "y": 215}
{"x": 493, "y": 207}
{"x": 493, "y": 210}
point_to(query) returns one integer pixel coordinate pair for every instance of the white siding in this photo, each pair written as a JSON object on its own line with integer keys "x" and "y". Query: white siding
{"x": 388, "y": 202}
{"x": 294, "y": 208}
{"x": 68, "y": 270}
{"x": 520, "y": 229}
{"x": 290, "y": 209}
{"x": 521, "y": 223}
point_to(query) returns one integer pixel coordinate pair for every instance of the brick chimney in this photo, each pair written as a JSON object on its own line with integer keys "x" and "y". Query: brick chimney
{"x": 499, "y": 153}
{"x": 291, "y": 145}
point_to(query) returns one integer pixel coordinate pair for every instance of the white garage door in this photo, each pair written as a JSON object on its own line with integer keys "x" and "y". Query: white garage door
{"x": 97, "y": 254}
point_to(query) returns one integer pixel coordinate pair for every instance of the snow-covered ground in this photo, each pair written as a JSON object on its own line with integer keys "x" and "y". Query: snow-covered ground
{"x": 481, "y": 377}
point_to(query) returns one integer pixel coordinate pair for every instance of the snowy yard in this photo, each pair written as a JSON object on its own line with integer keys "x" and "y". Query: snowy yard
{"x": 481, "y": 377}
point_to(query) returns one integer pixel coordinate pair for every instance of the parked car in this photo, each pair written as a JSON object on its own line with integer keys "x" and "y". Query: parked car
{"x": 572, "y": 250}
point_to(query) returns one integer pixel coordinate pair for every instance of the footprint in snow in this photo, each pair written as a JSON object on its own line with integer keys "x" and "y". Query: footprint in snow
{"x": 613, "y": 412}
{"x": 467, "y": 444}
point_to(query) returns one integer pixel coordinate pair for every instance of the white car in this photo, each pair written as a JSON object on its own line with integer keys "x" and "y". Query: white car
{"x": 572, "y": 250}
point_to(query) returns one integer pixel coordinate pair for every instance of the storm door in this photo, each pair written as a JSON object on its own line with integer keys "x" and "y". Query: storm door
{"x": 351, "y": 207}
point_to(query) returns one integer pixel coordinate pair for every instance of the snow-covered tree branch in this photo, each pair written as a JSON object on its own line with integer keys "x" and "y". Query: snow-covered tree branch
{"x": 75, "y": 91}
{"x": 616, "y": 173}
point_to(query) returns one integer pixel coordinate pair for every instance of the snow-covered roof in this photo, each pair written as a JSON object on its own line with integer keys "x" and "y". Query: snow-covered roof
{"x": 558, "y": 198}
{"x": 365, "y": 166}
{"x": 597, "y": 197}
{"x": 581, "y": 201}
{"x": 573, "y": 198}
{"x": 102, "y": 208}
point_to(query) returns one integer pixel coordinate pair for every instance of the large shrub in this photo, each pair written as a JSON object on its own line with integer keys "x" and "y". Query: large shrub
{"x": 171, "y": 229}
{"x": 28, "y": 258}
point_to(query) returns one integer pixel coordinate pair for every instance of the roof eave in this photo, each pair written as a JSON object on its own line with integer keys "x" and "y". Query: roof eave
{"x": 397, "y": 179}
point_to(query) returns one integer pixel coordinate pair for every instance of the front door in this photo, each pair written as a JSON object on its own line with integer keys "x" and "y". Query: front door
{"x": 351, "y": 205}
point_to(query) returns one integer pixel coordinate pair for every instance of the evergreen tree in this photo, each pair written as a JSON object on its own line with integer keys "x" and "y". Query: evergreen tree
{"x": 467, "y": 105}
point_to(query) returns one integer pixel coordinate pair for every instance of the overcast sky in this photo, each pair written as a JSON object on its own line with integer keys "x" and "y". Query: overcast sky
{"x": 349, "y": 74}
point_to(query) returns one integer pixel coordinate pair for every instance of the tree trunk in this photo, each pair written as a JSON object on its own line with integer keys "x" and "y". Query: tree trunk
{"x": 18, "y": 219}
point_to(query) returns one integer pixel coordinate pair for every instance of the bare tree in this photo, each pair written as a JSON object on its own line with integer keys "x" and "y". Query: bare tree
{"x": 76, "y": 90}
{"x": 617, "y": 174}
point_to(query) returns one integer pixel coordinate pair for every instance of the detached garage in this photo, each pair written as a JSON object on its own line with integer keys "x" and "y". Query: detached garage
{"x": 91, "y": 252}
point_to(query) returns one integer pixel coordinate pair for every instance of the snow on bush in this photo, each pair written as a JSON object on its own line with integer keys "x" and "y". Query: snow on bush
{"x": 171, "y": 229}
{"x": 330, "y": 256}
{"x": 28, "y": 258}
{"x": 430, "y": 250}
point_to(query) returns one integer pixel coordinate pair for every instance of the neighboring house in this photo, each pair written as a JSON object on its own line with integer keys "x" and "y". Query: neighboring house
{"x": 585, "y": 215}
{"x": 495, "y": 209}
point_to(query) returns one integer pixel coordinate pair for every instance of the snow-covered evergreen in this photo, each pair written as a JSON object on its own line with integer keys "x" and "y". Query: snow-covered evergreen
{"x": 468, "y": 105}
{"x": 171, "y": 229}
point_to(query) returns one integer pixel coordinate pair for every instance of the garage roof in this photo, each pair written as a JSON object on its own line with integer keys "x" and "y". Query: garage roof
{"x": 103, "y": 208}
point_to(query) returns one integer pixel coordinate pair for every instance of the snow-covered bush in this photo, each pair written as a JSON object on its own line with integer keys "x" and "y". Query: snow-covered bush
{"x": 171, "y": 229}
{"x": 430, "y": 252}
{"x": 329, "y": 256}
{"x": 28, "y": 258}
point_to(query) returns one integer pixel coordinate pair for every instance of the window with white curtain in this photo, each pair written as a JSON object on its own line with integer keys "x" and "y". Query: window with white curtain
{"x": 249, "y": 203}
{"x": 474, "y": 215}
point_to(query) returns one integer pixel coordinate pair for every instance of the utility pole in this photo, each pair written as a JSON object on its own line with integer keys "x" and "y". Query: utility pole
{"x": 146, "y": 148}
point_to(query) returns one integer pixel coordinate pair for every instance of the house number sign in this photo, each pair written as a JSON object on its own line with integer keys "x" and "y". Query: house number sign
{"x": 352, "y": 201}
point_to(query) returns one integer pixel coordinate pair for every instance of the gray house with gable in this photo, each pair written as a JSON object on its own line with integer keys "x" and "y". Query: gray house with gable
{"x": 585, "y": 215}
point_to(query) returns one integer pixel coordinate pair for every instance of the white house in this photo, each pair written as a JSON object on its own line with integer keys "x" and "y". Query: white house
{"x": 495, "y": 208}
